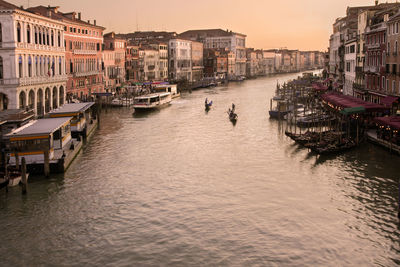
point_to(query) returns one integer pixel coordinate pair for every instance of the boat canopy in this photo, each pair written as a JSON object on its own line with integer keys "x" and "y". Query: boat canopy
{"x": 389, "y": 100}
{"x": 392, "y": 121}
{"x": 40, "y": 127}
{"x": 340, "y": 102}
{"x": 350, "y": 111}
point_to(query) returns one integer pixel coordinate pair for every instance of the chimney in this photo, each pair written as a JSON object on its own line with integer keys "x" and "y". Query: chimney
{"x": 376, "y": 2}
{"x": 88, "y": 21}
{"x": 94, "y": 22}
{"x": 79, "y": 15}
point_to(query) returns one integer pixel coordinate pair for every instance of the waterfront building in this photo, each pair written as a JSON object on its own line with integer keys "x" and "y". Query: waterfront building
{"x": 147, "y": 37}
{"x": 132, "y": 63}
{"x": 375, "y": 68}
{"x": 149, "y": 58}
{"x": 32, "y": 60}
{"x": 269, "y": 60}
{"x": 83, "y": 45}
{"x": 350, "y": 58}
{"x": 216, "y": 63}
{"x": 335, "y": 40}
{"x": 393, "y": 60}
{"x": 162, "y": 48}
{"x": 180, "y": 60}
{"x": 114, "y": 62}
{"x": 217, "y": 38}
{"x": 251, "y": 63}
{"x": 197, "y": 61}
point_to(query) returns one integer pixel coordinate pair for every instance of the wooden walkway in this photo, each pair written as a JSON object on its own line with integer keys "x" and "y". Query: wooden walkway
{"x": 372, "y": 137}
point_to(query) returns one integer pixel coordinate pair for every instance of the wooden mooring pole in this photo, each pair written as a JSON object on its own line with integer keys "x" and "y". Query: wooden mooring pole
{"x": 46, "y": 164}
{"x": 24, "y": 180}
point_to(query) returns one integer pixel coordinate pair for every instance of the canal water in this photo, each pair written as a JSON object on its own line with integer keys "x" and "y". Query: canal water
{"x": 180, "y": 186}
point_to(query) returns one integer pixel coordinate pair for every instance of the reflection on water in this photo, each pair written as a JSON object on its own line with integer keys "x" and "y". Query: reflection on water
{"x": 181, "y": 186}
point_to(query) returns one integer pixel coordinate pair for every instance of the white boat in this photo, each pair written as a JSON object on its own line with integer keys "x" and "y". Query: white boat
{"x": 152, "y": 101}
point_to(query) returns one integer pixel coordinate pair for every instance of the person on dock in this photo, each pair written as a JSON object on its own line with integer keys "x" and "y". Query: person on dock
{"x": 206, "y": 102}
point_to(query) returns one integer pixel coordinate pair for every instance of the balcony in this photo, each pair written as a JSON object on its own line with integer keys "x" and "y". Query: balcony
{"x": 371, "y": 69}
{"x": 33, "y": 80}
{"x": 85, "y": 52}
{"x": 40, "y": 47}
{"x": 86, "y": 73}
{"x": 373, "y": 46}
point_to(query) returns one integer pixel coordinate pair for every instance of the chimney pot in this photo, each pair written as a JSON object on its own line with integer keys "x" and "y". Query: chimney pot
{"x": 79, "y": 15}
{"x": 94, "y": 22}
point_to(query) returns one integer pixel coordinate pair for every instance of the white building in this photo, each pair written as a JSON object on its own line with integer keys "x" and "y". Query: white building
{"x": 150, "y": 60}
{"x": 350, "y": 58}
{"x": 32, "y": 60}
{"x": 217, "y": 38}
{"x": 180, "y": 59}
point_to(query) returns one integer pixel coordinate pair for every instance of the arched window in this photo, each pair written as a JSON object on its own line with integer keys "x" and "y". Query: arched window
{"x": 47, "y": 37}
{"x": 28, "y": 34}
{"x": 29, "y": 66}
{"x": 39, "y": 102}
{"x": 22, "y": 100}
{"x": 44, "y": 37}
{"x": 1, "y": 33}
{"x": 18, "y": 32}
{"x": 40, "y": 35}
{"x": 52, "y": 38}
{"x": 37, "y": 66}
{"x": 61, "y": 96}
{"x": 36, "y": 35}
{"x": 59, "y": 66}
{"x": 1, "y": 68}
{"x": 31, "y": 99}
{"x": 20, "y": 66}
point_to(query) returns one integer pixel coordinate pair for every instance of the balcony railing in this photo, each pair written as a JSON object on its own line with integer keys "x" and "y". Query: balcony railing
{"x": 40, "y": 47}
{"x": 371, "y": 68}
{"x": 85, "y": 52}
{"x": 33, "y": 80}
{"x": 86, "y": 73}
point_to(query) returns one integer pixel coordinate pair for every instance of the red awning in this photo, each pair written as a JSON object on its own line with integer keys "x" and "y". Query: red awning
{"x": 393, "y": 121}
{"x": 389, "y": 100}
{"x": 346, "y": 101}
{"x": 319, "y": 87}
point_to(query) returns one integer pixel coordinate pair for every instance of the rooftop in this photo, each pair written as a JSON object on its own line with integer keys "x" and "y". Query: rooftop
{"x": 72, "y": 108}
{"x": 40, "y": 127}
{"x": 16, "y": 115}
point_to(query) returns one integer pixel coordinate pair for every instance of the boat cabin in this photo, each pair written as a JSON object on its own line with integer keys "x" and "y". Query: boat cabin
{"x": 152, "y": 100}
{"x": 170, "y": 88}
{"x": 82, "y": 116}
{"x": 33, "y": 139}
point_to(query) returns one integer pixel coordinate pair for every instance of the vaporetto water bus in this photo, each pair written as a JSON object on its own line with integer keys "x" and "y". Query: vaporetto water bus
{"x": 151, "y": 101}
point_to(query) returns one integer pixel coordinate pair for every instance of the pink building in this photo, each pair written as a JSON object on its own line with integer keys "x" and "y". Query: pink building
{"x": 114, "y": 62}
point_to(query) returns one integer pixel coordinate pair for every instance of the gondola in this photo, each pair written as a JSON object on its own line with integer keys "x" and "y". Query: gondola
{"x": 208, "y": 105}
{"x": 232, "y": 116}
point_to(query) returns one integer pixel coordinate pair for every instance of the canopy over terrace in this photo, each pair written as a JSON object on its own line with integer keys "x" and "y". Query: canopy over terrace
{"x": 340, "y": 102}
{"x": 393, "y": 121}
{"x": 319, "y": 87}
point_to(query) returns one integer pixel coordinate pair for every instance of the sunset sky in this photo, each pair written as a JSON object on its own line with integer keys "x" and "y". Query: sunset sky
{"x": 302, "y": 24}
